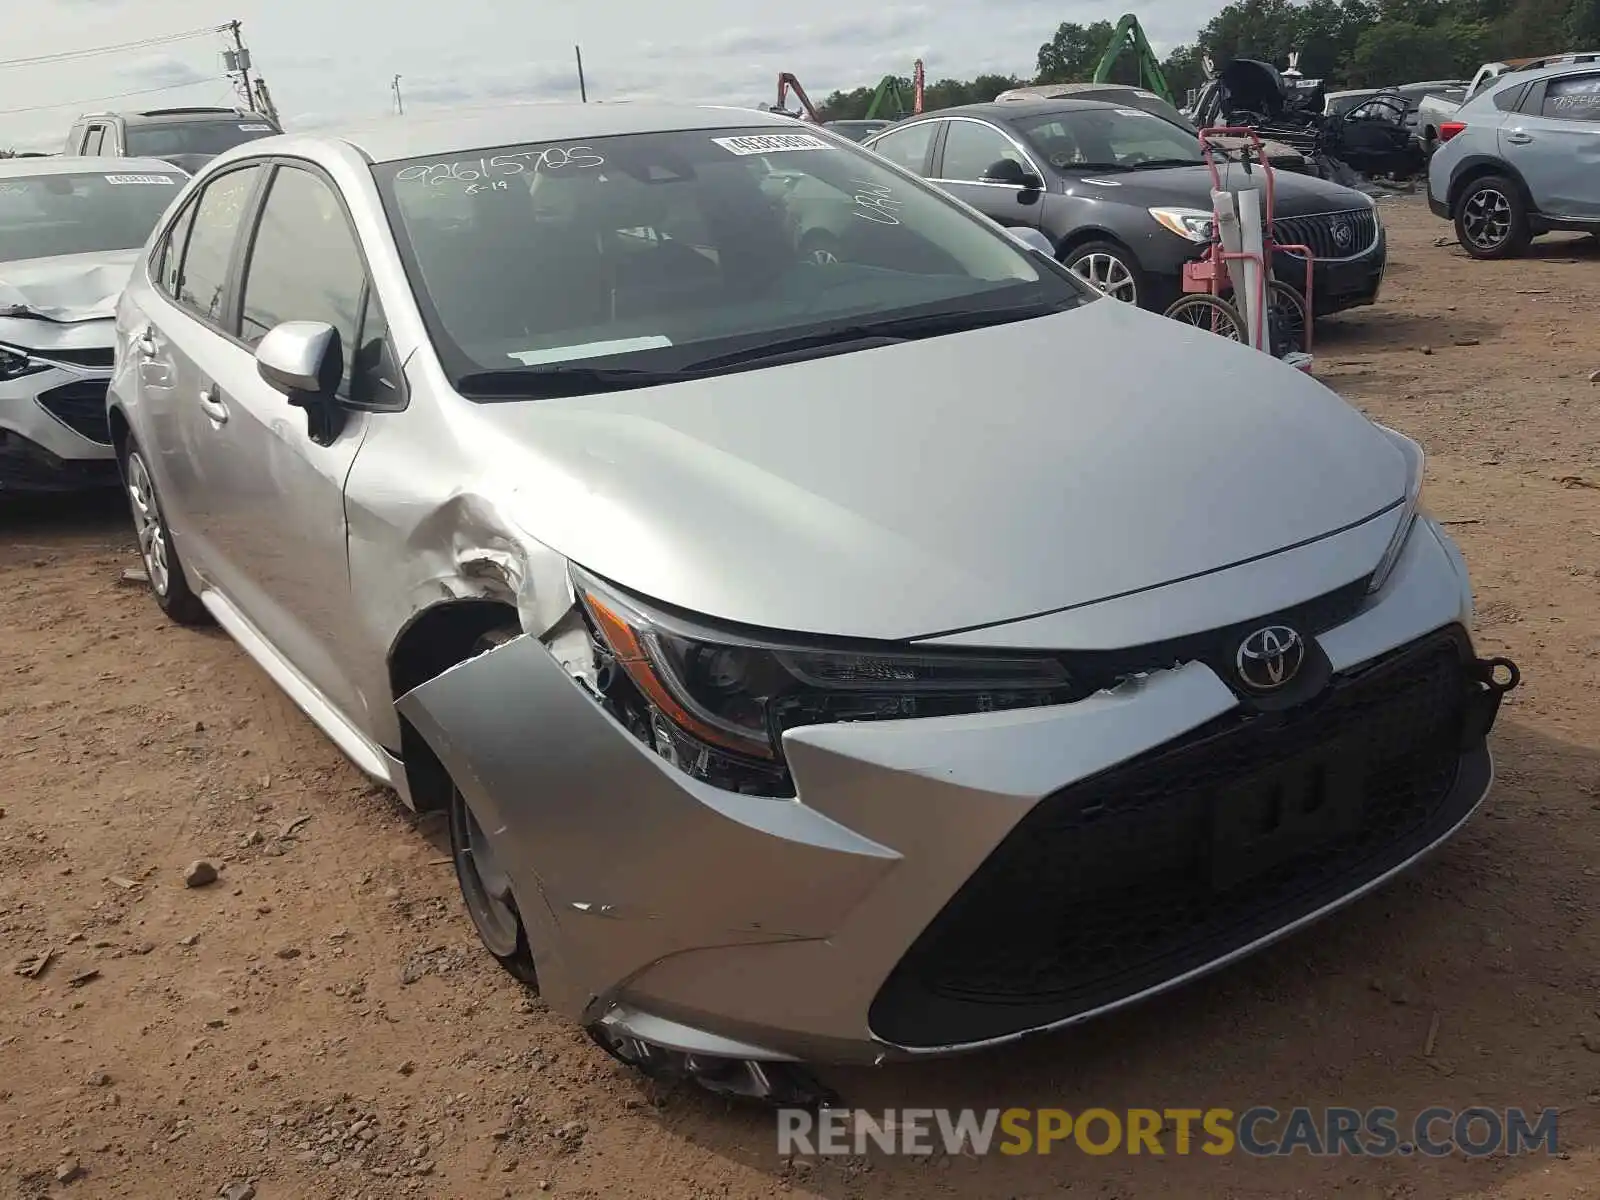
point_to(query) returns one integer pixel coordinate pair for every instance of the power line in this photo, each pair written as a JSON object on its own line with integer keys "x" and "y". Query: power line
{"x": 66, "y": 55}
{"x": 166, "y": 87}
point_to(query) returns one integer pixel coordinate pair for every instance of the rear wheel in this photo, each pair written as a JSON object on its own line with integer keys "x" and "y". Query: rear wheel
{"x": 1210, "y": 313}
{"x": 168, "y": 584}
{"x": 484, "y": 880}
{"x": 1491, "y": 219}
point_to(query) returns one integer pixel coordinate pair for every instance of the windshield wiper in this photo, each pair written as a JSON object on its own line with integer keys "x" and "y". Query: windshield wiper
{"x": 866, "y": 334}
{"x": 539, "y": 383}
{"x": 1156, "y": 164}
{"x": 544, "y": 383}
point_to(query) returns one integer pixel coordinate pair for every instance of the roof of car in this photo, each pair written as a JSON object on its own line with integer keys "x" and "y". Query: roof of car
{"x": 1534, "y": 74}
{"x": 72, "y": 164}
{"x": 163, "y": 116}
{"x": 1010, "y": 110}
{"x": 454, "y": 130}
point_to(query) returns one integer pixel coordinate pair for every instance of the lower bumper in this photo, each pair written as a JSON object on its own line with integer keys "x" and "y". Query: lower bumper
{"x": 1438, "y": 208}
{"x": 26, "y": 466}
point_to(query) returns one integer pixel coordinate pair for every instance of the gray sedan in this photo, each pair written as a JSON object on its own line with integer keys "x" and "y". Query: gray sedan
{"x": 818, "y": 658}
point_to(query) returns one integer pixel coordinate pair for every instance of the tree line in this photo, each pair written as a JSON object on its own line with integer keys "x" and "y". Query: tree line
{"x": 1348, "y": 43}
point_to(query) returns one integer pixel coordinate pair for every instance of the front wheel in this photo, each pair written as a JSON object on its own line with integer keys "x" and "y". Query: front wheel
{"x": 484, "y": 881}
{"x": 1108, "y": 267}
{"x": 1491, "y": 219}
{"x": 1212, "y": 313}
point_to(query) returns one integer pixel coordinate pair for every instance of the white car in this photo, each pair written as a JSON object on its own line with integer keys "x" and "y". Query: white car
{"x": 70, "y": 232}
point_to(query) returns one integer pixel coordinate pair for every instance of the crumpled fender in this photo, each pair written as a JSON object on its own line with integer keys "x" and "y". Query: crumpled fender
{"x": 634, "y": 859}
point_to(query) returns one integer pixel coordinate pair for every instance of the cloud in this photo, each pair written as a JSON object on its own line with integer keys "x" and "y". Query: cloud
{"x": 165, "y": 71}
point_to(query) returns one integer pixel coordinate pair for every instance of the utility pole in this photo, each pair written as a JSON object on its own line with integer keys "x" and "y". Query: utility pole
{"x": 236, "y": 61}
{"x": 583, "y": 91}
{"x": 399, "y": 104}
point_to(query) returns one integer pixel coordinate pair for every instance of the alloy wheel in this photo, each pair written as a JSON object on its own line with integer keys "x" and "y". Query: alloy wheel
{"x": 1108, "y": 273}
{"x": 486, "y": 886}
{"x": 147, "y": 524}
{"x": 1486, "y": 218}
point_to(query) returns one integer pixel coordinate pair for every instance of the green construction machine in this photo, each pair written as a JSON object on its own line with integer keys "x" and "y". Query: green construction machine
{"x": 890, "y": 92}
{"x": 1128, "y": 36}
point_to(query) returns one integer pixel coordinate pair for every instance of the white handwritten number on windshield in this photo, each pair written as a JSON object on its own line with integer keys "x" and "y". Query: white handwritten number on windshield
{"x": 875, "y": 203}
{"x": 474, "y": 170}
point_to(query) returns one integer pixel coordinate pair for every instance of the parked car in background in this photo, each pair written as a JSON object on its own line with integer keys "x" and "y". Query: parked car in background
{"x": 814, "y": 661}
{"x": 185, "y": 137}
{"x": 1520, "y": 159}
{"x": 69, "y": 233}
{"x": 1282, "y": 157}
{"x": 1125, "y": 196}
{"x": 857, "y": 131}
{"x": 1434, "y": 110}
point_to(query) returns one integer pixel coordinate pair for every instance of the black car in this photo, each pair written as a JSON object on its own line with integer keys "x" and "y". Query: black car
{"x": 858, "y": 131}
{"x": 1125, "y": 197}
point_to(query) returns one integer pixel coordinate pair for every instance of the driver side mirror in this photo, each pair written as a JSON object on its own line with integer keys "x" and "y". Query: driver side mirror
{"x": 305, "y": 361}
{"x": 1012, "y": 173}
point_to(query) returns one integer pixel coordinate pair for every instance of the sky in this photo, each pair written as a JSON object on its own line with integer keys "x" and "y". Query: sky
{"x": 329, "y": 62}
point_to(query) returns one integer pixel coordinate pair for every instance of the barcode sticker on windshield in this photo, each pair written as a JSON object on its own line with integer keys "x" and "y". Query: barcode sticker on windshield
{"x": 1132, "y": 112}
{"x": 156, "y": 179}
{"x": 771, "y": 143}
{"x": 256, "y": 128}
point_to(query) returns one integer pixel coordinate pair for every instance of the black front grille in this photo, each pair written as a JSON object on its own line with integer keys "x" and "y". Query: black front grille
{"x": 103, "y": 357}
{"x": 1169, "y": 862}
{"x": 80, "y": 406}
{"x": 1321, "y": 232}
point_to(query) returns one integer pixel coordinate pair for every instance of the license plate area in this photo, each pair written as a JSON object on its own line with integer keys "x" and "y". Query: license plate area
{"x": 1278, "y": 814}
{"x": 1344, "y": 279}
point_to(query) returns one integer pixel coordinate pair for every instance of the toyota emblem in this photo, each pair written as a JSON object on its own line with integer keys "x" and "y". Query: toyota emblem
{"x": 1270, "y": 658}
{"x": 1341, "y": 234}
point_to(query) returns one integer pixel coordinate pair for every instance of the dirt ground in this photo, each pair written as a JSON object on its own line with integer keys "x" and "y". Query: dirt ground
{"x": 319, "y": 1023}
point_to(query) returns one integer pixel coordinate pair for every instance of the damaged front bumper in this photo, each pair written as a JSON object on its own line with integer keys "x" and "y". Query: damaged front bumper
{"x": 945, "y": 884}
{"x": 54, "y": 432}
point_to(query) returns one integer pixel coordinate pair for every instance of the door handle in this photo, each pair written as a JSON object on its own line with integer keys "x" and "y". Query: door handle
{"x": 145, "y": 343}
{"x": 1519, "y": 139}
{"x": 212, "y": 406}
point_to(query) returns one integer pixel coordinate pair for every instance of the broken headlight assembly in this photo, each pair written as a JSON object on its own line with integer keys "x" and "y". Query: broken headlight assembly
{"x": 716, "y": 703}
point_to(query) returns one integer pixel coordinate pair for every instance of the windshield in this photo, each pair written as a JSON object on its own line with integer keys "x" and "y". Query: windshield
{"x": 193, "y": 137}
{"x": 42, "y": 216}
{"x": 655, "y": 252}
{"x": 1109, "y": 139}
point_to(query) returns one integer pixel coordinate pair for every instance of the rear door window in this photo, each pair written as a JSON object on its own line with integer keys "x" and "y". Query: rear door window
{"x": 1574, "y": 98}
{"x": 908, "y": 147}
{"x": 203, "y": 276}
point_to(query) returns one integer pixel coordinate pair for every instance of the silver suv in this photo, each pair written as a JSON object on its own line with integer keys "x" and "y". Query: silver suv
{"x": 70, "y": 231}
{"x": 1519, "y": 159}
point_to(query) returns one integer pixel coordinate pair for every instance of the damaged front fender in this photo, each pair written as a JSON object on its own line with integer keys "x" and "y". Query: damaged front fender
{"x": 635, "y": 860}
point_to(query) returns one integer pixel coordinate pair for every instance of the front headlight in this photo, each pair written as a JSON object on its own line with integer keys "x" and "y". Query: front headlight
{"x": 1195, "y": 224}
{"x": 716, "y": 703}
{"x": 1415, "y": 463}
{"x": 15, "y": 363}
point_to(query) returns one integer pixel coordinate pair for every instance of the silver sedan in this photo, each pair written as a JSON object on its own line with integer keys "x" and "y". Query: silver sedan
{"x": 820, "y": 658}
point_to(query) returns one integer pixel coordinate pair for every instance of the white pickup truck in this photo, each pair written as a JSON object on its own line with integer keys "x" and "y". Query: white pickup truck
{"x": 1438, "y": 108}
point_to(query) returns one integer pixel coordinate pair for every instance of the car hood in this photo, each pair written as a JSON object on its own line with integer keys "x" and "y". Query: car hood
{"x": 943, "y": 484}
{"x": 1296, "y": 195}
{"x": 65, "y": 290}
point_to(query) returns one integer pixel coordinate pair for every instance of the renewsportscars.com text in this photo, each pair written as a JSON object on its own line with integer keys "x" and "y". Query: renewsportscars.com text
{"x": 1258, "y": 1132}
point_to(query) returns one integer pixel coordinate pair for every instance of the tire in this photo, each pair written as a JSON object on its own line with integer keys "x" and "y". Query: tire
{"x": 1286, "y": 314}
{"x": 1096, "y": 261}
{"x": 1491, "y": 218}
{"x": 1210, "y": 313}
{"x": 168, "y": 583}
{"x": 485, "y": 886}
